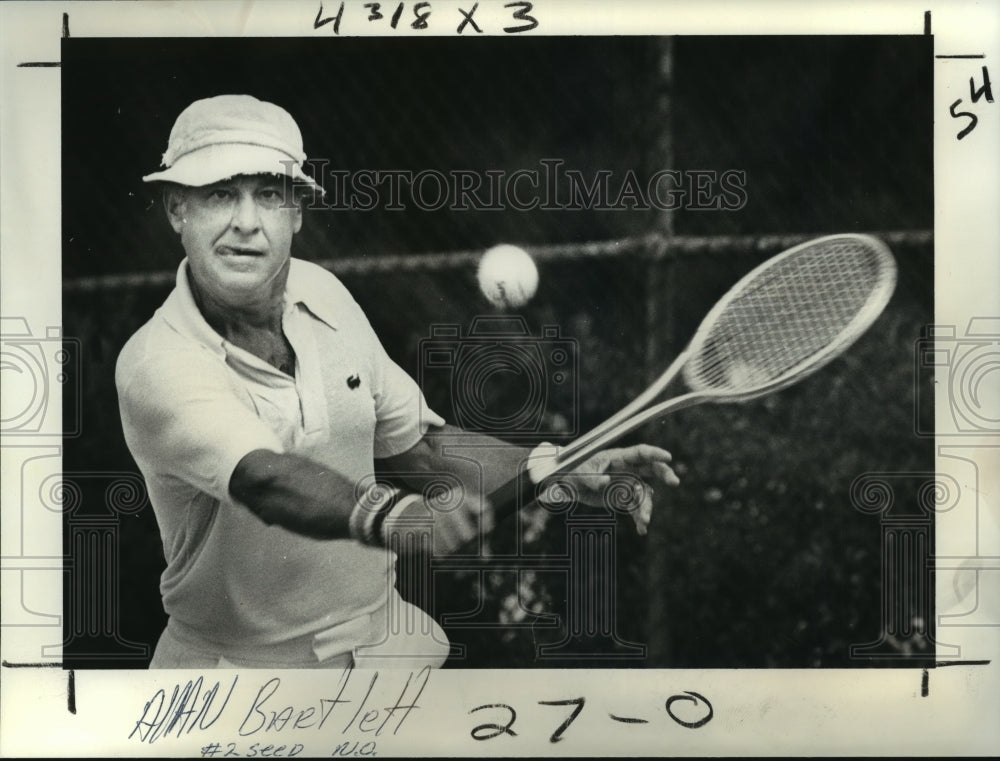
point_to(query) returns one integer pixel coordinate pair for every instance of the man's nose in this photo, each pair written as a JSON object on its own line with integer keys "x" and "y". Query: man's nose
{"x": 246, "y": 216}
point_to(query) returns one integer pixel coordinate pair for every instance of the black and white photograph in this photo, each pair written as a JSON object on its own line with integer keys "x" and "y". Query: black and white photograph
{"x": 521, "y": 248}
{"x": 619, "y": 383}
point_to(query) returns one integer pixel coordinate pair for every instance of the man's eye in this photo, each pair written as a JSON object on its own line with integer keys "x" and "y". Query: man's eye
{"x": 271, "y": 196}
{"x": 219, "y": 194}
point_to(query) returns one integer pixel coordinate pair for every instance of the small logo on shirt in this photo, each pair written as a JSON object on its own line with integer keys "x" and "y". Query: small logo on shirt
{"x": 353, "y": 381}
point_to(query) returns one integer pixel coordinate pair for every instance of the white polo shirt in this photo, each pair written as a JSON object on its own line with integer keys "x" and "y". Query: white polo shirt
{"x": 193, "y": 405}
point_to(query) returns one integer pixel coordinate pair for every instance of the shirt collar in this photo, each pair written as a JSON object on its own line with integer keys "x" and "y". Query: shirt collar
{"x": 305, "y": 288}
{"x": 182, "y": 313}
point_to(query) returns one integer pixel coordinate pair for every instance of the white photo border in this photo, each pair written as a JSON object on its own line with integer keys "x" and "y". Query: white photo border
{"x": 790, "y": 712}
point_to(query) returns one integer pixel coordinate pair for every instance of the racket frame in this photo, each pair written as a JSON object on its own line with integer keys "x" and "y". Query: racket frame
{"x": 631, "y": 416}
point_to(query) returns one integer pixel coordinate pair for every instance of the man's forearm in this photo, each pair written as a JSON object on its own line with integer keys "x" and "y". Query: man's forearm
{"x": 310, "y": 499}
{"x": 295, "y": 493}
{"x": 483, "y": 463}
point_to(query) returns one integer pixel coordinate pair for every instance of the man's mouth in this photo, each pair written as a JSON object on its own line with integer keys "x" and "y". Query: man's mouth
{"x": 238, "y": 251}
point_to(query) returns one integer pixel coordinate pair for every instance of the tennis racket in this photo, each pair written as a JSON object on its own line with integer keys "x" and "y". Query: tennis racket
{"x": 780, "y": 323}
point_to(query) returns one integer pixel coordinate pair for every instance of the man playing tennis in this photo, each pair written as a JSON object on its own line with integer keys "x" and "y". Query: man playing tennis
{"x": 256, "y": 402}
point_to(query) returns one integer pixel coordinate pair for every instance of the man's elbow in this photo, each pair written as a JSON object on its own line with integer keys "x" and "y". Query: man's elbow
{"x": 289, "y": 491}
{"x": 253, "y": 478}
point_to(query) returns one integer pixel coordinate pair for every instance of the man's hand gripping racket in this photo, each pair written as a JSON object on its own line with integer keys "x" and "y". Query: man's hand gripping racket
{"x": 780, "y": 323}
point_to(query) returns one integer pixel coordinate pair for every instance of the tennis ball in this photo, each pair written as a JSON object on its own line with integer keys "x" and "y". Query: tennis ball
{"x": 507, "y": 276}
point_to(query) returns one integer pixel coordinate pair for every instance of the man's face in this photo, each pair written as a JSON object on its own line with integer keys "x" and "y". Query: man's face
{"x": 237, "y": 235}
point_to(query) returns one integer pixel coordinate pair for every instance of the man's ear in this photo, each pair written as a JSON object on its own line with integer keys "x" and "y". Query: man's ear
{"x": 174, "y": 203}
{"x": 298, "y": 217}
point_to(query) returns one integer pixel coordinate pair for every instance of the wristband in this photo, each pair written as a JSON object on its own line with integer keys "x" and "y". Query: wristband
{"x": 370, "y": 512}
{"x": 378, "y": 507}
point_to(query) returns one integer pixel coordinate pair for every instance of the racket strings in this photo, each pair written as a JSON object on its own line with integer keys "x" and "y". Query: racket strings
{"x": 788, "y": 314}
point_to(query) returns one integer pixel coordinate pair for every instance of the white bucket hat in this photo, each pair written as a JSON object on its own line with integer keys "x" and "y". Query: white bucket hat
{"x": 217, "y": 138}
